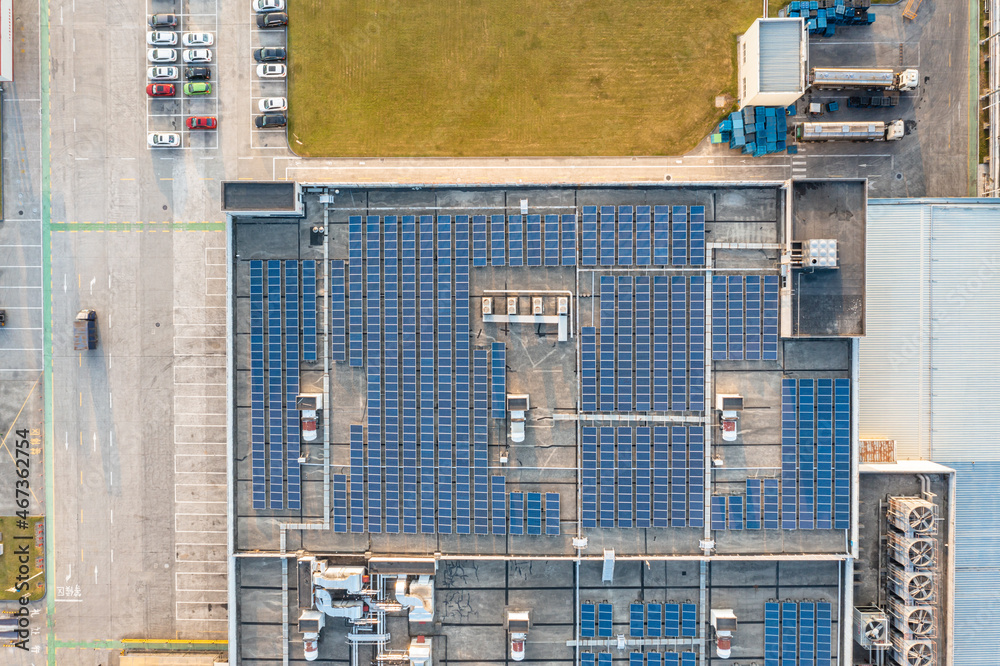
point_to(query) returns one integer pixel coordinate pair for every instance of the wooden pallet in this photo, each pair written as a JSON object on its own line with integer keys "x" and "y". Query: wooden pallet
{"x": 912, "y": 7}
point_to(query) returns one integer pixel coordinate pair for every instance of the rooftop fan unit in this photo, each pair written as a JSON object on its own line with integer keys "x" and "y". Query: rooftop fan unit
{"x": 913, "y": 653}
{"x": 871, "y": 628}
{"x": 915, "y": 588}
{"x": 913, "y": 516}
{"x": 913, "y": 622}
{"x": 913, "y": 552}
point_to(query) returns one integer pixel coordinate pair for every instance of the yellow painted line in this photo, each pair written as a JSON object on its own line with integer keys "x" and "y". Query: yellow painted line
{"x": 128, "y": 178}
{"x": 166, "y": 179}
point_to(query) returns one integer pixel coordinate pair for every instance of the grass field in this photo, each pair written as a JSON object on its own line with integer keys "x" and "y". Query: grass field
{"x": 9, "y": 560}
{"x": 509, "y": 77}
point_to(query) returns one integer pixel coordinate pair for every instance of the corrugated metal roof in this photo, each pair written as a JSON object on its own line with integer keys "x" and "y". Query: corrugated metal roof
{"x": 780, "y": 56}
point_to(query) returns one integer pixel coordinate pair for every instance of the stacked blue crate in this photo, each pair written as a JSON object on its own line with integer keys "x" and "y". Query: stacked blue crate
{"x": 822, "y": 20}
{"x": 755, "y": 130}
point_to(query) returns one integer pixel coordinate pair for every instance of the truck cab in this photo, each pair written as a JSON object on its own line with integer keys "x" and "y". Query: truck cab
{"x": 85, "y": 330}
{"x": 908, "y": 79}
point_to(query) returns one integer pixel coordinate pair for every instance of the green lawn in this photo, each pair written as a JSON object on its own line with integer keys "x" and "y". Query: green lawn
{"x": 9, "y": 563}
{"x": 509, "y": 77}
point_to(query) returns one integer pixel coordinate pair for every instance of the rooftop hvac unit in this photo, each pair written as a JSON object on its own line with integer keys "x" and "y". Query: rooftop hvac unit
{"x": 913, "y": 653}
{"x": 913, "y": 516}
{"x": 871, "y": 628}
{"x": 913, "y": 552}
{"x": 915, "y": 588}
{"x": 913, "y": 622}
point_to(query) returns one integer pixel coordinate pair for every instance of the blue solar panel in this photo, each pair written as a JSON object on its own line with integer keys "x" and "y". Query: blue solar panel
{"x": 696, "y": 344}
{"x": 807, "y": 453}
{"x": 688, "y": 659}
{"x": 355, "y": 323}
{"x": 824, "y": 454}
{"x": 654, "y": 620}
{"x": 552, "y": 514}
{"x": 427, "y": 368}
{"x": 635, "y": 658}
{"x": 842, "y": 454}
{"x": 753, "y": 504}
{"x": 679, "y": 236}
{"x": 338, "y": 311}
{"x": 517, "y": 514}
{"x": 607, "y": 458}
{"x": 678, "y": 476}
{"x": 339, "y": 503}
{"x": 718, "y": 512}
{"x": 515, "y": 240}
{"x": 624, "y": 346}
{"x": 497, "y": 241}
{"x": 463, "y": 421}
{"x": 661, "y": 343}
{"x": 696, "y": 476}
{"x": 498, "y": 504}
{"x": 257, "y": 426}
{"x": 588, "y": 478}
{"x": 551, "y": 240}
{"x": 588, "y": 370}
{"x": 824, "y": 634}
{"x": 375, "y": 390}
{"x": 534, "y": 514}
{"x": 719, "y": 318}
{"x": 807, "y": 634}
{"x": 480, "y": 431}
{"x": 661, "y": 480}
{"x": 697, "y": 235}
{"x": 309, "y": 310}
{"x": 678, "y": 343}
{"x": 607, "y": 235}
{"x": 604, "y": 621}
{"x": 293, "y": 486}
{"x": 478, "y": 240}
{"x": 607, "y": 375}
{"x": 445, "y": 345}
{"x": 772, "y": 634}
{"x": 534, "y": 240}
{"x": 275, "y": 399}
{"x": 643, "y": 345}
{"x": 643, "y": 236}
{"x": 643, "y": 488}
{"x": 769, "y": 332}
{"x": 568, "y": 240}
{"x": 770, "y": 504}
{"x": 408, "y": 299}
{"x": 789, "y": 632}
{"x": 671, "y": 659}
{"x": 788, "y": 454}
{"x": 735, "y": 297}
{"x": 604, "y": 659}
{"x": 588, "y": 620}
{"x": 587, "y": 659}
{"x": 753, "y": 348}
{"x": 498, "y": 374}
{"x": 625, "y": 236}
{"x": 588, "y": 256}
{"x": 735, "y": 512}
{"x": 391, "y": 372}
{"x": 661, "y": 235}
{"x": 672, "y": 620}
{"x": 356, "y": 504}
{"x": 624, "y": 476}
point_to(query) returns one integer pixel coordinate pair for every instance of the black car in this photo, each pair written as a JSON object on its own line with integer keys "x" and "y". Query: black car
{"x": 269, "y": 54}
{"x": 270, "y": 120}
{"x": 163, "y": 21}
{"x": 197, "y": 73}
{"x": 272, "y": 20}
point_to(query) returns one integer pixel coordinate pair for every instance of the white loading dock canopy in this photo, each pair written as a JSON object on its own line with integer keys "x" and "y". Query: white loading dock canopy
{"x": 772, "y": 57}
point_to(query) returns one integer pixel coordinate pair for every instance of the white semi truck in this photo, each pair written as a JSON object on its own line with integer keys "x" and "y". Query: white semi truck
{"x": 868, "y": 130}
{"x": 838, "y": 78}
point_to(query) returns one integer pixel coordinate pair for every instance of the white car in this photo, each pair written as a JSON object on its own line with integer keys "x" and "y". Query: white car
{"x": 161, "y": 55}
{"x": 271, "y": 71}
{"x": 198, "y": 39}
{"x": 162, "y": 73}
{"x": 197, "y": 55}
{"x": 272, "y": 104}
{"x": 160, "y": 38}
{"x": 262, "y": 6}
{"x": 163, "y": 140}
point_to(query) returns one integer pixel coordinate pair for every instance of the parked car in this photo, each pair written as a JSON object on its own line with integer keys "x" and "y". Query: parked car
{"x": 161, "y": 55}
{"x": 198, "y": 39}
{"x": 272, "y": 71}
{"x": 161, "y": 38}
{"x": 272, "y": 104}
{"x": 197, "y": 55}
{"x": 162, "y": 73}
{"x": 197, "y": 88}
{"x": 163, "y": 140}
{"x": 163, "y": 21}
{"x": 272, "y": 20}
{"x": 261, "y": 6}
{"x": 202, "y": 122}
{"x": 270, "y": 120}
{"x": 197, "y": 73}
{"x": 269, "y": 54}
{"x": 161, "y": 90}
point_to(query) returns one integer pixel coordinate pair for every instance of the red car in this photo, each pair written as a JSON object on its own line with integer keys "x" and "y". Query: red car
{"x": 160, "y": 90}
{"x": 202, "y": 122}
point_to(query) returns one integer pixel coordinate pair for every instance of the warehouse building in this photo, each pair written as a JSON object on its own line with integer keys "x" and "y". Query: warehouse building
{"x": 772, "y": 59}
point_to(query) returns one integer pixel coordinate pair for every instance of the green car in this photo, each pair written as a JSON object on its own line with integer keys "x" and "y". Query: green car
{"x": 198, "y": 88}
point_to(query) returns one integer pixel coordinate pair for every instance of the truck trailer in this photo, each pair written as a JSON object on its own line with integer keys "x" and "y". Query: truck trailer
{"x": 838, "y": 78}
{"x": 85, "y": 330}
{"x": 875, "y": 130}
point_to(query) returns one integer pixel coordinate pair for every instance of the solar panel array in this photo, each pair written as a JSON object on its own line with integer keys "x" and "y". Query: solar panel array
{"x": 524, "y": 240}
{"x": 649, "y": 352}
{"x": 639, "y": 236}
{"x": 656, "y": 474}
{"x": 652, "y": 620}
{"x": 745, "y": 317}
{"x": 798, "y": 633}
{"x": 338, "y": 311}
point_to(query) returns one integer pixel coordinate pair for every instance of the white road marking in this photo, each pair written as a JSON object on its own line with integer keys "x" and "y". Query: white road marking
{"x": 95, "y": 441}
{"x": 67, "y": 441}
{"x": 95, "y": 573}
{"x": 93, "y": 281}
{"x": 70, "y": 574}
